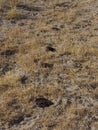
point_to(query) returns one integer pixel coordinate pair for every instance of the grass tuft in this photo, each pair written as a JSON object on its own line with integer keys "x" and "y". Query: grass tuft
{"x": 14, "y": 13}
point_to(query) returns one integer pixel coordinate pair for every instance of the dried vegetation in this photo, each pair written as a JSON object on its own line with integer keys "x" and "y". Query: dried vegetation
{"x": 49, "y": 65}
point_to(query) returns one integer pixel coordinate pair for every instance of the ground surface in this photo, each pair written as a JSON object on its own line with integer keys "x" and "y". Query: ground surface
{"x": 49, "y": 66}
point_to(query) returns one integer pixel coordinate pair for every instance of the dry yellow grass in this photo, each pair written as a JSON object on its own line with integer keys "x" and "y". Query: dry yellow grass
{"x": 14, "y": 3}
{"x": 14, "y": 13}
{"x": 52, "y": 53}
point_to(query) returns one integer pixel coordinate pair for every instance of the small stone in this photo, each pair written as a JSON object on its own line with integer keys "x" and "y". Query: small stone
{"x": 43, "y": 102}
{"x": 49, "y": 48}
{"x": 23, "y": 79}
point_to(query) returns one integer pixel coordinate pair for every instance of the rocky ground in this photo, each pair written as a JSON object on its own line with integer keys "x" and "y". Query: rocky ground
{"x": 49, "y": 65}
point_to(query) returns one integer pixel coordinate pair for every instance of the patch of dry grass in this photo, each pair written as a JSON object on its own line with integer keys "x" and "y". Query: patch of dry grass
{"x": 14, "y": 13}
{"x": 67, "y": 76}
